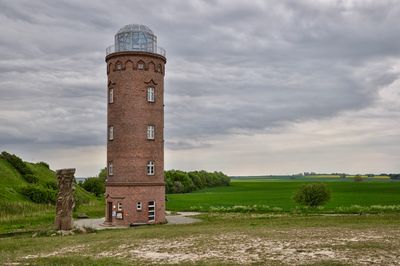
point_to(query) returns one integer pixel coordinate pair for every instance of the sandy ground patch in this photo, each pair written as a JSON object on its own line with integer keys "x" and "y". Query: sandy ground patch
{"x": 304, "y": 247}
{"x": 272, "y": 247}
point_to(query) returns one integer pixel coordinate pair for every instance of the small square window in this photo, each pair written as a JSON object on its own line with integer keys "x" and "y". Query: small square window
{"x": 119, "y": 66}
{"x": 139, "y": 206}
{"x": 140, "y": 66}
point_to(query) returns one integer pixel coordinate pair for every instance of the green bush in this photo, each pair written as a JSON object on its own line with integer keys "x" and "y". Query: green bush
{"x": 358, "y": 178}
{"x": 394, "y": 176}
{"x": 44, "y": 164}
{"x": 30, "y": 178}
{"x": 95, "y": 185}
{"x": 312, "y": 195}
{"x": 38, "y": 194}
{"x": 51, "y": 185}
{"x": 17, "y": 163}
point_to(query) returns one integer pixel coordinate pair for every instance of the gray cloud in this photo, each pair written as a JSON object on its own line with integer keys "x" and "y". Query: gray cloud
{"x": 234, "y": 67}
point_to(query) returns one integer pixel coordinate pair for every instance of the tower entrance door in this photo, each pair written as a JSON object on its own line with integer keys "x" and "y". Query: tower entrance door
{"x": 152, "y": 211}
{"x": 109, "y": 212}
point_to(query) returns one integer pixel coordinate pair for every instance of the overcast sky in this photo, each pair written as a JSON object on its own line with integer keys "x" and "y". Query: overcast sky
{"x": 251, "y": 87}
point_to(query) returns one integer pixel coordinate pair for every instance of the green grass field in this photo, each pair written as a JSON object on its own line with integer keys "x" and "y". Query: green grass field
{"x": 279, "y": 194}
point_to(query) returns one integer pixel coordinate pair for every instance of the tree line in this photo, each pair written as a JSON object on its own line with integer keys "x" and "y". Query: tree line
{"x": 176, "y": 181}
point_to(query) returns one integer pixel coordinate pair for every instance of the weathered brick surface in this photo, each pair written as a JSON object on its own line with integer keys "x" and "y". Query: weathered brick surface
{"x": 130, "y": 114}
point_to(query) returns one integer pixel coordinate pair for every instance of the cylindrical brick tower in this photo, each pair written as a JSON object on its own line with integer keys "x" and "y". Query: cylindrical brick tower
{"x": 135, "y": 189}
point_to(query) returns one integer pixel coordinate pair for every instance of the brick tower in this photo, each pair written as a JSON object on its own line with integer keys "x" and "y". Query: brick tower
{"x": 135, "y": 189}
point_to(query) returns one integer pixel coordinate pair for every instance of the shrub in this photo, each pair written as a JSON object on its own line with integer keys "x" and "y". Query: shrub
{"x": 394, "y": 176}
{"x": 30, "y": 178}
{"x": 358, "y": 178}
{"x": 17, "y": 163}
{"x": 312, "y": 195}
{"x": 38, "y": 194}
{"x": 51, "y": 185}
{"x": 44, "y": 164}
{"x": 95, "y": 185}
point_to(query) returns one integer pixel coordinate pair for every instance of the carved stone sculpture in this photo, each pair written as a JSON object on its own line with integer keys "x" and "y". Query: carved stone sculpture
{"x": 65, "y": 199}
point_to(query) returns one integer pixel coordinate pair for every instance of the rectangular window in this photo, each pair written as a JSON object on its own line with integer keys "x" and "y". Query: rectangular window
{"x": 119, "y": 206}
{"x": 139, "y": 206}
{"x": 110, "y": 95}
{"x": 150, "y": 94}
{"x": 150, "y": 132}
{"x": 152, "y": 211}
{"x": 119, "y": 66}
{"x": 140, "y": 66}
{"x": 150, "y": 168}
{"x": 110, "y": 168}
{"x": 110, "y": 133}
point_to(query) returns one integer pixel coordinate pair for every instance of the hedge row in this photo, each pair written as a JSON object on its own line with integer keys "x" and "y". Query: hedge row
{"x": 182, "y": 182}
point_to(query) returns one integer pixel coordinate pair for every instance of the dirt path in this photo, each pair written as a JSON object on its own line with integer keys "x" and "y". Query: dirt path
{"x": 178, "y": 218}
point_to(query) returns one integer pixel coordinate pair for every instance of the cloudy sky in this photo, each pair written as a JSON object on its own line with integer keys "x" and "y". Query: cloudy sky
{"x": 252, "y": 87}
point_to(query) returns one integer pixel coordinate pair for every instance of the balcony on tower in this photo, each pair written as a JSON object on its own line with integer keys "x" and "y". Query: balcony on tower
{"x": 135, "y": 37}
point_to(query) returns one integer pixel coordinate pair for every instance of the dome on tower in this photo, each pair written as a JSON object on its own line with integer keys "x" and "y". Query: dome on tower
{"x": 135, "y": 37}
{"x": 135, "y": 28}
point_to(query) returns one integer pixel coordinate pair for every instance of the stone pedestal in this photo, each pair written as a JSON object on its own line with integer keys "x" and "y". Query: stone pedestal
{"x": 65, "y": 199}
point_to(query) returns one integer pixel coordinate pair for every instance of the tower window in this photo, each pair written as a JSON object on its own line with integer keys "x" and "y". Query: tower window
{"x": 110, "y": 95}
{"x": 110, "y": 133}
{"x": 139, "y": 206}
{"x": 150, "y": 168}
{"x": 119, "y": 66}
{"x": 110, "y": 168}
{"x": 150, "y": 132}
{"x": 150, "y": 94}
{"x": 140, "y": 66}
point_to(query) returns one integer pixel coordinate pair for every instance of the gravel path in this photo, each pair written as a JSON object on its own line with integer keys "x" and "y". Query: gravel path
{"x": 178, "y": 218}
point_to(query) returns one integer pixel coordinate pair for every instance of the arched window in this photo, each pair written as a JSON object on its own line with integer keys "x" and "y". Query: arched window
{"x": 140, "y": 65}
{"x": 150, "y": 94}
{"x": 150, "y": 168}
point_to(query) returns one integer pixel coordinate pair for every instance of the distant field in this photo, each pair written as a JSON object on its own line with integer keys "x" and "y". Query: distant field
{"x": 278, "y": 193}
{"x": 325, "y": 178}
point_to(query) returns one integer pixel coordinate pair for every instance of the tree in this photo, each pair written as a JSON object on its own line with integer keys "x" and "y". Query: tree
{"x": 312, "y": 195}
{"x": 96, "y": 185}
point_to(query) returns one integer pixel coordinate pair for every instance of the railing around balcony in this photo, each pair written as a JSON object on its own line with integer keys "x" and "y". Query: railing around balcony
{"x": 111, "y": 49}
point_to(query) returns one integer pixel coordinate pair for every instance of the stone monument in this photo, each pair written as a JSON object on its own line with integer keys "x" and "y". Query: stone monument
{"x": 65, "y": 199}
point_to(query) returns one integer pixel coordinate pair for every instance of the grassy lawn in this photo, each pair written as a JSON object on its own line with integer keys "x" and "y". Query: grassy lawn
{"x": 279, "y": 194}
{"x": 222, "y": 239}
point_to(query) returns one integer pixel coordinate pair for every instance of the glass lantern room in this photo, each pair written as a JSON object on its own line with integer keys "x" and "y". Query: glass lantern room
{"x": 135, "y": 37}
